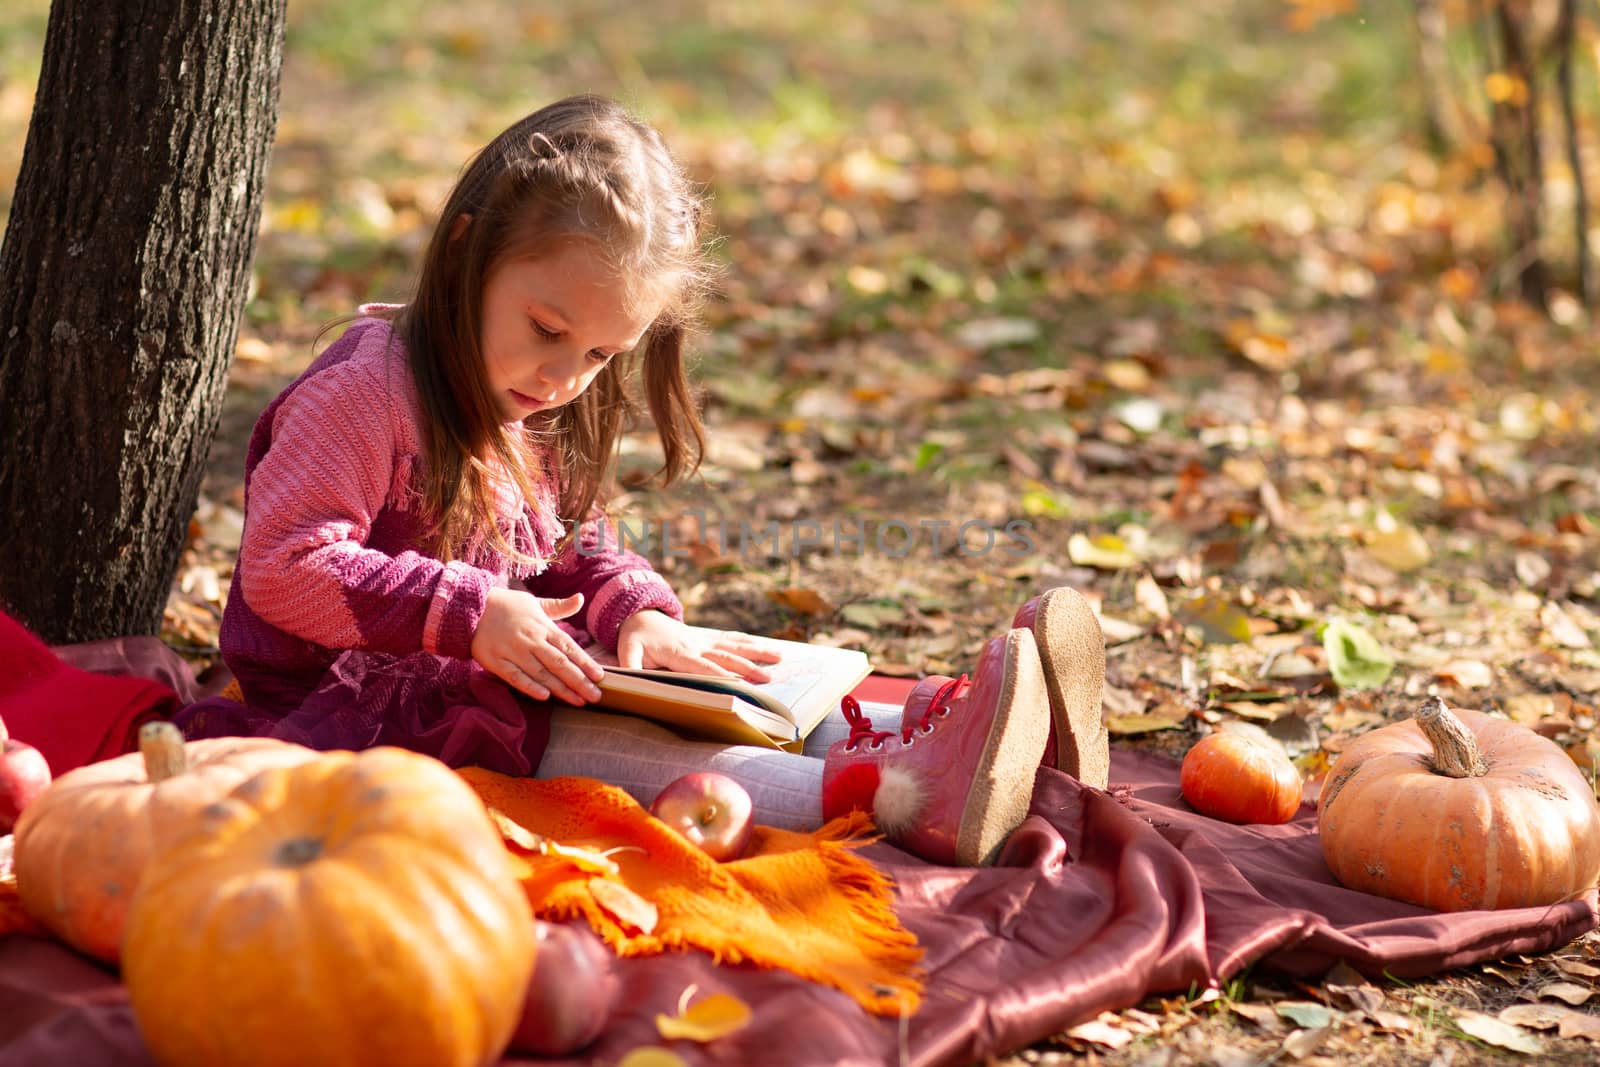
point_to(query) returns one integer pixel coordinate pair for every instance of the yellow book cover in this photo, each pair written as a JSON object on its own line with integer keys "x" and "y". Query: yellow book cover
{"x": 807, "y": 684}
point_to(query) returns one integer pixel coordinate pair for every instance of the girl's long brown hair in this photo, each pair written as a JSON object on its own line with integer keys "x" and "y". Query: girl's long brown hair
{"x": 581, "y": 169}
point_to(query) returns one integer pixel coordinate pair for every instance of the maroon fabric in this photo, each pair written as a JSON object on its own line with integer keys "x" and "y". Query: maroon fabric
{"x": 1101, "y": 899}
{"x": 74, "y": 716}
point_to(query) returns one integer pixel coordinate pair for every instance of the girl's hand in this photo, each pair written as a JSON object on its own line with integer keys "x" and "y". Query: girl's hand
{"x": 651, "y": 639}
{"x": 518, "y": 641}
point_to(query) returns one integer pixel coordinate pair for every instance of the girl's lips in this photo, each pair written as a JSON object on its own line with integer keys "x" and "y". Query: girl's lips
{"x": 532, "y": 403}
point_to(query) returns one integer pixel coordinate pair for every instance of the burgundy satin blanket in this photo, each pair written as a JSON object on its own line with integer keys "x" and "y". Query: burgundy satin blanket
{"x": 1102, "y": 900}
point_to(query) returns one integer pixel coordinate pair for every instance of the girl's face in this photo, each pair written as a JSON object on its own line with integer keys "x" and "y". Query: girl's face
{"x": 550, "y": 324}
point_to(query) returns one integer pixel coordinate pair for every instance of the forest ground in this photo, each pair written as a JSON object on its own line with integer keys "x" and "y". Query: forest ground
{"x": 1176, "y": 287}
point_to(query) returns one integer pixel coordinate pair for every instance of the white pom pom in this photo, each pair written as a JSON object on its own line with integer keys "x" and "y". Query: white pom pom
{"x": 899, "y": 801}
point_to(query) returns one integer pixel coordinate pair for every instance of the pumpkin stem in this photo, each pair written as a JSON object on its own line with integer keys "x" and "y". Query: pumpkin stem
{"x": 162, "y": 746}
{"x": 299, "y": 851}
{"x": 1455, "y": 752}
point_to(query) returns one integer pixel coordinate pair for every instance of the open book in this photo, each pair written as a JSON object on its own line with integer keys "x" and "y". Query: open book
{"x": 807, "y": 684}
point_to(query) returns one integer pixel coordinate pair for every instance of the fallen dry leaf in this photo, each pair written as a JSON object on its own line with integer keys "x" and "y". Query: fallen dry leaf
{"x": 1500, "y": 1034}
{"x": 1148, "y": 595}
{"x": 1260, "y": 1014}
{"x": 515, "y": 832}
{"x": 585, "y": 859}
{"x": 1467, "y": 673}
{"x": 705, "y": 1019}
{"x": 1561, "y": 628}
{"x": 1532, "y": 569}
{"x": 1534, "y": 1016}
{"x": 1567, "y": 992}
{"x": 1393, "y": 1021}
{"x": 802, "y": 601}
{"x": 1305, "y": 1013}
{"x": 652, "y": 1056}
{"x": 1302, "y": 1043}
{"x": 624, "y": 905}
{"x": 1401, "y": 549}
{"x": 1580, "y": 1024}
{"x": 1532, "y": 708}
{"x": 1104, "y": 552}
{"x": 1576, "y": 968}
{"x": 1102, "y": 1031}
{"x": 1161, "y": 717}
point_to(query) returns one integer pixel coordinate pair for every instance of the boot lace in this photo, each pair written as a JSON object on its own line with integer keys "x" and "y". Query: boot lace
{"x": 861, "y": 728}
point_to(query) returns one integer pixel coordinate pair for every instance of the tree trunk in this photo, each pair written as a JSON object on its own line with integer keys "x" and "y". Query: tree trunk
{"x": 125, "y": 268}
{"x": 1521, "y": 157}
{"x": 1442, "y": 121}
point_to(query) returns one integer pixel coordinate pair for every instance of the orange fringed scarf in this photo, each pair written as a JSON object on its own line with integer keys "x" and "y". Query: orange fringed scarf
{"x": 804, "y": 903}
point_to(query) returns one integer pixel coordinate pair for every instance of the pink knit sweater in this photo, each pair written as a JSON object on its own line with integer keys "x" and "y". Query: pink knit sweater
{"x": 340, "y": 629}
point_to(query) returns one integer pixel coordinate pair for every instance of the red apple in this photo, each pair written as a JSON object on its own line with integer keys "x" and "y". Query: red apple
{"x": 24, "y": 774}
{"x": 570, "y": 996}
{"x": 711, "y": 810}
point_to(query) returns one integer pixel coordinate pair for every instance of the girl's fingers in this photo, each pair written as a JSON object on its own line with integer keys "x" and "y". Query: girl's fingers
{"x": 575, "y": 654}
{"x": 746, "y": 646}
{"x": 565, "y": 677}
{"x": 735, "y": 665}
{"x": 524, "y": 682}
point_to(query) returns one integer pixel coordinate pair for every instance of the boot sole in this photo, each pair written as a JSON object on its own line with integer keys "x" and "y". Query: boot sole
{"x": 1072, "y": 650}
{"x": 1002, "y": 785}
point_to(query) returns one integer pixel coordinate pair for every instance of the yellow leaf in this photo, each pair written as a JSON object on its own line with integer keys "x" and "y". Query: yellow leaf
{"x": 1105, "y": 551}
{"x": 1220, "y": 618}
{"x": 867, "y": 280}
{"x": 1400, "y": 549}
{"x": 624, "y": 905}
{"x": 707, "y": 1019}
{"x": 515, "y": 832}
{"x": 585, "y": 859}
{"x": 652, "y": 1056}
{"x": 1036, "y": 502}
{"x": 1505, "y": 88}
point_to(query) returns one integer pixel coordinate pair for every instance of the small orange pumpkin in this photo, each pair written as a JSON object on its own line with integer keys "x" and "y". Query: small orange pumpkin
{"x": 359, "y": 909}
{"x": 1241, "y": 774}
{"x": 1457, "y": 810}
{"x": 82, "y": 846}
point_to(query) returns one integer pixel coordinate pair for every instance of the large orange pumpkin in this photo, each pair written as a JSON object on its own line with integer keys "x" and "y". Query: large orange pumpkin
{"x": 359, "y": 909}
{"x": 82, "y": 846}
{"x": 1458, "y": 810}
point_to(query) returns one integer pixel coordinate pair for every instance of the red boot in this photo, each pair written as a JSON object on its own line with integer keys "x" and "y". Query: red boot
{"x": 1072, "y": 650}
{"x": 957, "y": 778}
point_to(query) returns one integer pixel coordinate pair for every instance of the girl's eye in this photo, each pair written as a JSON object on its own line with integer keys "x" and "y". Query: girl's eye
{"x": 544, "y": 331}
{"x": 597, "y": 356}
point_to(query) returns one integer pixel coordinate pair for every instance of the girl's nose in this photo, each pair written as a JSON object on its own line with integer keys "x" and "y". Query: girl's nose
{"x": 560, "y": 370}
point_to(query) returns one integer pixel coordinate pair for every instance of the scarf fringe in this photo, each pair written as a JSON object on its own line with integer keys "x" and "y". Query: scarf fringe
{"x": 887, "y": 981}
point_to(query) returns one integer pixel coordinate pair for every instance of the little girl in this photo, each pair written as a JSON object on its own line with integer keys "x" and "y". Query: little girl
{"x": 405, "y": 575}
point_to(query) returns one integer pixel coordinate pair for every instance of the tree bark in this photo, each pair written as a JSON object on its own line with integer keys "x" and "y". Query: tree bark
{"x": 1442, "y": 120}
{"x": 1563, "y": 44}
{"x": 125, "y": 268}
{"x": 1517, "y": 145}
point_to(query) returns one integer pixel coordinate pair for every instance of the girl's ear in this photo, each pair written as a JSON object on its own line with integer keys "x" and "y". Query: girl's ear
{"x": 459, "y": 227}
